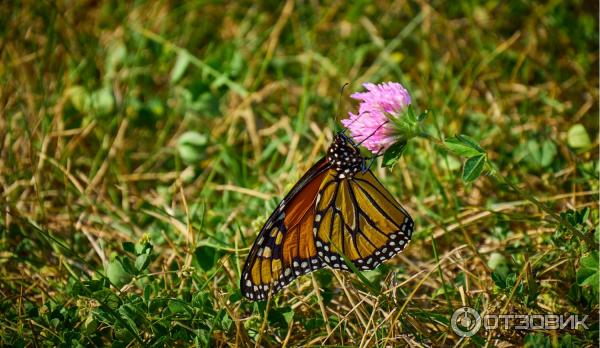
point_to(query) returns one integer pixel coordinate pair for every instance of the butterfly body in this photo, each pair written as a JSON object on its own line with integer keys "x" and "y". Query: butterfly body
{"x": 337, "y": 207}
{"x": 345, "y": 157}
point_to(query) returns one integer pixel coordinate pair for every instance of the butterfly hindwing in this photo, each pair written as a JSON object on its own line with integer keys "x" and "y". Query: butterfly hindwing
{"x": 285, "y": 247}
{"x": 359, "y": 218}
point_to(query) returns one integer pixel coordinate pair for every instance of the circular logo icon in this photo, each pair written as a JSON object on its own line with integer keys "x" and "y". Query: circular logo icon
{"x": 465, "y": 321}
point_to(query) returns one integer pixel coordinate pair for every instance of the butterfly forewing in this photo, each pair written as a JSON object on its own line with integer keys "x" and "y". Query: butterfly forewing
{"x": 285, "y": 247}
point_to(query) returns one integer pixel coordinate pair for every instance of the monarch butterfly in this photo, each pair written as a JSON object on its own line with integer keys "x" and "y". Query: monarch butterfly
{"x": 338, "y": 206}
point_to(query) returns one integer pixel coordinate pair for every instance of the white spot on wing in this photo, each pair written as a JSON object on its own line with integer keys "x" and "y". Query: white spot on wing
{"x": 267, "y": 252}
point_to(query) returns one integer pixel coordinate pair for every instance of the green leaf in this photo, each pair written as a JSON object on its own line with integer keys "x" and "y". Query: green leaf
{"x": 191, "y": 146}
{"x": 143, "y": 248}
{"x": 473, "y": 168}
{"x": 79, "y": 98}
{"x": 410, "y": 113}
{"x": 280, "y": 317}
{"x": 55, "y": 322}
{"x": 588, "y": 271}
{"x": 147, "y": 293}
{"x": 142, "y": 261}
{"x": 422, "y": 116}
{"x": 541, "y": 156}
{"x": 116, "y": 273}
{"x": 86, "y": 287}
{"x": 464, "y": 146}
{"x": 445, "y": 289}
{"x": 127, "y": 264}
{"x": 90, "y": 325}
{"x": 107, "y": 298}
{"x": 577, "y": 137}
{"x": 115, "y": 56}
{"x": 205, "y": 257}
{"x": 176, "y": 306}
{"x": 471, "y": 142}
{"x": 496, "y": 261}
{"x": 156, "y": 107}
{"x": 313, "y": 323}
{"x": 460, "y": 149}
{"x": 226, "y": 321}
{"x": 393, "y": 153}
{"x": 102, "y": 101}
{"x": 450, "y": 162}
{"x": 582, "y": 215}
{"x": 129, "y": 247}
{"x": 548, "y": 153}
{"x": 181, "y": 64}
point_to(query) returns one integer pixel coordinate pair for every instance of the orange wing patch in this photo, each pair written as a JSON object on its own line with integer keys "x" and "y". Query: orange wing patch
{"x": 285, "y": 248}
{"x": 299, "y": 241}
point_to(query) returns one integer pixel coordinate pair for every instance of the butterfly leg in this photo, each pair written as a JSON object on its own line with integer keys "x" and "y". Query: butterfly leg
{"x": 373, "y": 133}
{"x": 365, "y": 167}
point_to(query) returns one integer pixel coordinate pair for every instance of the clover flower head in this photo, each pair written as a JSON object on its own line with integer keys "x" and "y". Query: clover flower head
{"x": 374, "y": 126}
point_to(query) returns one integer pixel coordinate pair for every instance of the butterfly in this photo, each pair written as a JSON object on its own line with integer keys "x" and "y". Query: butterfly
{"x": 337, "y": 207}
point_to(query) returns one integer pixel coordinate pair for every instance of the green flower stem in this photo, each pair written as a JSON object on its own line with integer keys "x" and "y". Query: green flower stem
{"x": 495, "y": 173}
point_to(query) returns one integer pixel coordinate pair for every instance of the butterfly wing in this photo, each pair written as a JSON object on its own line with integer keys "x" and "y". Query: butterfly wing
{"x": 358, "y": 217}
{"x": 285, "y": 247}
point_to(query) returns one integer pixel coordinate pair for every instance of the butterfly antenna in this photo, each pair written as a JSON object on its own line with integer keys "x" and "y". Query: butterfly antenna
{"x": 339, "y": 106}
{"x": 356, "y": 119}
{"x": 337, "y": 114}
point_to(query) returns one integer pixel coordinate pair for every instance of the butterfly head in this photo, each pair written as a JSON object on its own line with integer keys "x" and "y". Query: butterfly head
{"x": 345, "y": 157}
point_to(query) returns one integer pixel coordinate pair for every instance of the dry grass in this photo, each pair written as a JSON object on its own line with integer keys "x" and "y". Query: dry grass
{"x": 94, "y": 102}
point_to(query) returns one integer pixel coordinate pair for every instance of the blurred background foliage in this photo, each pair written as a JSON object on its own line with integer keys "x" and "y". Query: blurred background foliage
{"x": 143, "y": 144}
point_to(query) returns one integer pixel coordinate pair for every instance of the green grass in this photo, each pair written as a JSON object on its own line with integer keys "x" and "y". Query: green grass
{"x": 142, "y": 146}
